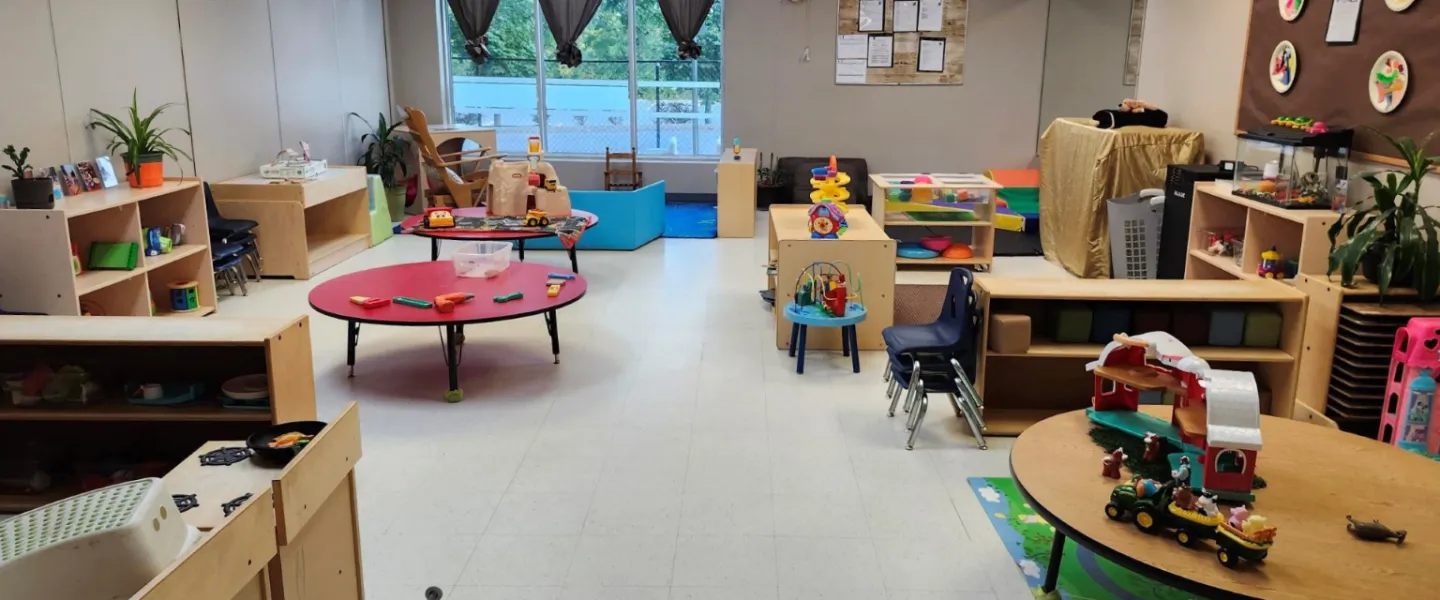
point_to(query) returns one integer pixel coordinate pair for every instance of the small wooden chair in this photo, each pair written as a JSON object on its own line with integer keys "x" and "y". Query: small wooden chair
{"x": 465, "y": 190}
{"x": 621, "y": 178}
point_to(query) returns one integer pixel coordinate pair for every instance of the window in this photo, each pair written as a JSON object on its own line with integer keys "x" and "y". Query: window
{"x": 630, "y": 91}
{"x": 1230, "y": 461}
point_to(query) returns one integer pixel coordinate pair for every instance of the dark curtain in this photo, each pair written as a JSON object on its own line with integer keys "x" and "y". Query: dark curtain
{"x": 474, "y": 17}
{"x": 567, "y": 19}
{"x": 685, "y": 17}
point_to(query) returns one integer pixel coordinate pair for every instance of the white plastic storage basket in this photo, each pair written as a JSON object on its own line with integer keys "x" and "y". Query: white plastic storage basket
{"x": 1135, "y": 234}
{"x": 482, "y": 259}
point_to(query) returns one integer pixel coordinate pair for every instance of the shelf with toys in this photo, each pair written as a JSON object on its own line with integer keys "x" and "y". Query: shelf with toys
{"x": 1031, "y": 324}
{"x": 803, "y": 235}
{"x": 1233, "y": 237}
{"x": 962, "y": 204}
{"x": 110, "y": 252}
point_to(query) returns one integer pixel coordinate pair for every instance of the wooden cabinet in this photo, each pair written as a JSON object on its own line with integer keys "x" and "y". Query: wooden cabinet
{"x": 305, "y": 226}
{"x": 735, "y": 194}
{"x": 865, "y": 248}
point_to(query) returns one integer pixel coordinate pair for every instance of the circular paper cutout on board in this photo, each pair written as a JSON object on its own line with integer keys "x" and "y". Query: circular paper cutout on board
{"x": 1399, "y": 5}
{"x": 1284, "y": 66}
{"x": 1389, "y": 80}
{"x": 1290, "y": 9}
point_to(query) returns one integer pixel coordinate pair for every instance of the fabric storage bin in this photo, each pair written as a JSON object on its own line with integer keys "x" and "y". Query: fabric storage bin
{"x": 1227, "y": 327}
{"x": 1190, "y": 324}
{"x": 1150, "y": 317}
{"x": 1262, "y": 328}
{"x": 1109, "y": 319}
{"x": 1073, "y": 323}
{"x": 1009, "y": 334}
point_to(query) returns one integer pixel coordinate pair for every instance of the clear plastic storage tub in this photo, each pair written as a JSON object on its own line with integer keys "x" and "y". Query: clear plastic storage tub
{"x": 482, "y": 259}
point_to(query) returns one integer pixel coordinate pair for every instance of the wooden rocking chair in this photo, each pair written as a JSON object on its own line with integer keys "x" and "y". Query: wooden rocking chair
{"x": 621, "y": 177}
{"x": 465, "y": 190}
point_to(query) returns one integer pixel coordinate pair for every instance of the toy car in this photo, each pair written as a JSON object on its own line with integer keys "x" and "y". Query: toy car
{"x": 1154, "y": 510}
{"x": 439, "y": 218}
{"x": 537, "y": 218}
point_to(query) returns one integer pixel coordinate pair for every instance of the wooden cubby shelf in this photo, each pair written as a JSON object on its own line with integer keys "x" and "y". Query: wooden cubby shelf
{"x": 45, "y": 282}
{"x": 1014, "y": 400}
{"x": 979, "y": 234}
{"x": 1296, "y": 234}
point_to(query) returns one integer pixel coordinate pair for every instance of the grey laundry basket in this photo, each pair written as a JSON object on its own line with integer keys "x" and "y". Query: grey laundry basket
{"x": 1135, "y": 234}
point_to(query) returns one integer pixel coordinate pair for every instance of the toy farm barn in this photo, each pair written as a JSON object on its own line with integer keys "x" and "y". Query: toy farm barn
{"x": 1216, "y": 420}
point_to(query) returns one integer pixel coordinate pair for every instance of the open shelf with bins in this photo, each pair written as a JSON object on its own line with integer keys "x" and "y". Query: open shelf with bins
{"x": 67, "y": 440}
{"x": 979, "y": 233}
{"x": 45, "y": 281}
{"x": 1296, "y": 234}
{"x": 1006, "y": 381}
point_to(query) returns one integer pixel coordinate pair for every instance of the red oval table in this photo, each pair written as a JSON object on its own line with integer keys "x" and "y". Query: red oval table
{"x": 412, "y": 222}
{"x": 425, "y": 281}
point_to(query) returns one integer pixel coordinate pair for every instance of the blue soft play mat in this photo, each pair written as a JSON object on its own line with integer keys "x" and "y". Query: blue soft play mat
{"x": 689, "y": 220}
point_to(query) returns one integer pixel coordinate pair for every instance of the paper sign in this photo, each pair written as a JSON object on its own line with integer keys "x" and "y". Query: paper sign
{"x": 850, "y": 71}
{"x": 881, "y": 53}
{"x": 932, "y": 55}
{"x": 932, "y": 15}
{"x": 907, "y": 15}
{"x": 851, "y": 46}
{"x": 872, "y": 15}
{"x": 1344, "y": 22}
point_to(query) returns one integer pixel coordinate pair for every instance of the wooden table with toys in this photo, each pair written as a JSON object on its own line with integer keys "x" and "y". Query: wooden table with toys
{"x": 1324, "y": 490}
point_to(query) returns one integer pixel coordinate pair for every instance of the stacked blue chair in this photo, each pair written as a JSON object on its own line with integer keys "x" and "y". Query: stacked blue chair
{"x": 929, "y": 357}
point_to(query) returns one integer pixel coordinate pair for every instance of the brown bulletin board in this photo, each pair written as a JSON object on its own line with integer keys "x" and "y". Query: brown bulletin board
{"x": 1333, "y": 79}
{"x": 905, "y": 66}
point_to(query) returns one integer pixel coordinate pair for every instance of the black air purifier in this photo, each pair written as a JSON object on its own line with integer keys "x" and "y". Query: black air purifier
{"x": 1180, "y": 183}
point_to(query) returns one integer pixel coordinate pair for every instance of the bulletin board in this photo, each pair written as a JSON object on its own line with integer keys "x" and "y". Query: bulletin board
{"x": 1332, "y": 80}
{"x": 912, "y": 42}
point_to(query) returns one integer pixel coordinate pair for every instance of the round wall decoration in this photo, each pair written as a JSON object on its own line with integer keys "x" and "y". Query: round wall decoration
{"x": 1284, "y": 66}
{"x": 1291, "y": 9}
{"x": 1389, "y": 80}
{"x": 1399, "y": 5}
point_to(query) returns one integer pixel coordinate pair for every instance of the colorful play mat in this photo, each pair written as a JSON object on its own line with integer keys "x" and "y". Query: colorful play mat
{"x": 1083, "y": 574}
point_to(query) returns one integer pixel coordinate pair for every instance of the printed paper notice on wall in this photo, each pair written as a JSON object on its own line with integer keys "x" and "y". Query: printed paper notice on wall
{"x": 907, "y": 15}
{"x": 932, "y": 55}
{"x": 932, "y": 15}
{"x": 1344, "y": 22}
{"x": 872, "y": 15}
{"x": 850, "y": 72}
{"x": 851, "y": 46}
{"x": 882, "y": 52}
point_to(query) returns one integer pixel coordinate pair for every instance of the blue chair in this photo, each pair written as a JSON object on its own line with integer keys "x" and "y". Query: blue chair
{"x": 226, "y": 231}
{"x": 939, "y": 357}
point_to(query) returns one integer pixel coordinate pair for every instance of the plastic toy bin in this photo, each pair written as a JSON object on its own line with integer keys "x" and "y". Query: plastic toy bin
{"x": 482, "y": 259}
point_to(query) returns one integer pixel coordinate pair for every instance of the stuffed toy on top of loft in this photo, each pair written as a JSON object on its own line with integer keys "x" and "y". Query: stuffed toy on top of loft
{"x": 1132, "y": 112}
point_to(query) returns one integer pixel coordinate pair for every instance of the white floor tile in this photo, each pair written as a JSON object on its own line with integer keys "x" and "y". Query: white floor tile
{"x": 593, "y": 592}
{"x": 492, "y": 592}
{"x": 540, "y": 513}
{"x": 418, "y": 560}
{"x": 631, "y": 511}
{"x": 623, "y": 560}
{"x": 727, "y": 514}
{"x": 520, "y": 560}
{"x": 827, "y": 563}
{"x": 821, "y": 515}
{"x": 931, "y": 564}
{"x": 725, "y": 561}
{"x": 721, "y": 593}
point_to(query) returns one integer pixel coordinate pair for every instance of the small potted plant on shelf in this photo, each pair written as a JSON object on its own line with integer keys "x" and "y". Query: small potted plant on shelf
{"x": 385, "y": 156}
{"x": 143, "y": 143}
{"x": 30, "y": 188}
{"x": 1394, "y": 241}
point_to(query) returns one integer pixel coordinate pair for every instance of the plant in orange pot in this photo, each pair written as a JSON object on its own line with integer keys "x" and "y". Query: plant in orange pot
{"x": 142, "y": 143}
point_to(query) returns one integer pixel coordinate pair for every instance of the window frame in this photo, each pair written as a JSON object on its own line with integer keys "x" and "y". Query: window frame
{"x": 447, "y": 85}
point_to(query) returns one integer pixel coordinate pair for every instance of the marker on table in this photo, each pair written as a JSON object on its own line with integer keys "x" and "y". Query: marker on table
{"x": 509, "y": 297}
{"x": 562, "y": 275}
{"x": 412, "y": 302}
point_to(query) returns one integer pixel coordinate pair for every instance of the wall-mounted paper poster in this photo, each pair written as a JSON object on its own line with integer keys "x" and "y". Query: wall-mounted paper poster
{"x": 1291, "y": 9}
{"x": 1399, "y": 5}
{"x": 1284, "y": 66}
{"x": 107, "y": 172}
{"x": 1344, "y": 22}
{"x": 872, "y": 15}
{"x": 1389, "y": 79}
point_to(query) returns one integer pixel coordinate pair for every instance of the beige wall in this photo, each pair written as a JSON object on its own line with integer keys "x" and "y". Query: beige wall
{"x": 1193, "y": 56}
{"x": 1084, "y": 58}
{"x": 215, "y": 58}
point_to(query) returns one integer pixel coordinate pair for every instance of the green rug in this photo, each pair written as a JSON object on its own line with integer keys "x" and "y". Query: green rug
{"x": 1083, "y": 575}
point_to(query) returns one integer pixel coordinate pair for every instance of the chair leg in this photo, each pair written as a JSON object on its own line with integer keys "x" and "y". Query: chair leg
{"x": 230, "y": 281}
{"x": 914, "y": 385}
{"x": 972, "y": 418}
{"x": 919, "y": 416}
{"x": 240, "y": 277}
{"x": 254, "y": 260}
{"x": 794, "y": 338}
{"x": 968, "y": 395}
{"x": 221, "y": 278}
{"x": 894, "y": 397}
{"x": 800, "y": 361}
{"x": 845, "y": 342}
{"x": 917, "y": 398}
{"x": 887, "y": 376}
{"x": 854, "y": 349}
{"x": 955, "y": 404}
{"x": 890, "y": 387}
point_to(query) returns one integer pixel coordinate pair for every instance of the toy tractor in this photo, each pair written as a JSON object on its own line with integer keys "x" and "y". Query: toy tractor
{"x": 537, "y": 218}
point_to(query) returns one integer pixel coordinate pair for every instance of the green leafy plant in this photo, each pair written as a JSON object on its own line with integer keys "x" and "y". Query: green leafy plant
{"x": 21, "y": 160}
{"x": 136, "y": 135}
{"x": 1395, "y": 234}
{"x": 385, "y": 154}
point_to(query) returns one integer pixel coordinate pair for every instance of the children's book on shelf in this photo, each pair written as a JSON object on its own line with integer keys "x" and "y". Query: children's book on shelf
{"x": 89, "y": 177}
{"x": 70, "y": 180}
{"x": 107, "y": 172}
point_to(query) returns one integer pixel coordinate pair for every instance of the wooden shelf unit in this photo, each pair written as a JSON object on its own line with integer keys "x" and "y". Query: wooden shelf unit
{"x": 981, "y": 232}
{"x": 735, "y": 194}
{"x": 1296, "y": 234}
{"x": 865, "y": 248}
{"x": 305, "y": 227}
{"x": 119, "y": 350}
{"x": 1014, "y": 400}
{"x": 43, "y": 281}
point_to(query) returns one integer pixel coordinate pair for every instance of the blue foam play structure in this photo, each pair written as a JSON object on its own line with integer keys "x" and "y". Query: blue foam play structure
{"x": 628, "y": 219}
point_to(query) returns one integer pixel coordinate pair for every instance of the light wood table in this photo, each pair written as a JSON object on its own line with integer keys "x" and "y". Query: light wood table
{"x": 735, "y": 194}
{"x": 441, "y": 134}
{"x": 314, "y": 526}
{"x": 305, "y": 226}
{"x": 865, "y": 248}
{"x": 1316, "y": 476}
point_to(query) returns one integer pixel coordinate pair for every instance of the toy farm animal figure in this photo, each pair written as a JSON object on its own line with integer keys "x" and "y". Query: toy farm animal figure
{"x": 1110, "y": 465}
{"x": 1373, "y": 531}
{"x": 1207, "y": 506}
{"x": 1186, "y": 499}
{"x": 1238, "y": 516}
{"x": 1258, "y": 528}
{"x": 1152, "y": 448}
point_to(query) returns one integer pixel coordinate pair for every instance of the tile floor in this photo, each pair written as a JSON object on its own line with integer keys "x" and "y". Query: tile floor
{"x": 674, "y": 453}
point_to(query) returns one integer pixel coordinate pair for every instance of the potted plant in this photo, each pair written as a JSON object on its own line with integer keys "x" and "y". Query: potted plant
{"x": 1394, "y": 241}
{"x": 385, "y": 156}
{"x": 31, "y": 188}
{"x": 144, "y": 144}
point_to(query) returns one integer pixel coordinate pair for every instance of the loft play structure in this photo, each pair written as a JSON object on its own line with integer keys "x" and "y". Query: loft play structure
{"x": 1216, "y": 420}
